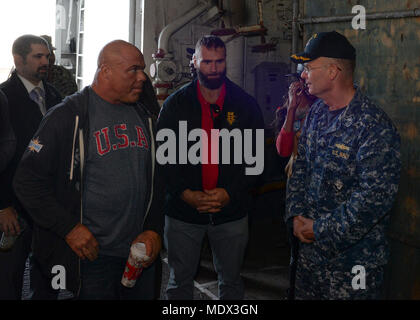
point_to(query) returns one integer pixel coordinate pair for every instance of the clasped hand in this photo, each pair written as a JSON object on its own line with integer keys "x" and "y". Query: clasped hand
{"x": 207, "y": 201}
{"x": 303, "y": 229}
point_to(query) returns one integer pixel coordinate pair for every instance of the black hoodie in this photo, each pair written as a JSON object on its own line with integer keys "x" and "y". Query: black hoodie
{"x": 49, "y": 183}
{"x": 240, "y": 111}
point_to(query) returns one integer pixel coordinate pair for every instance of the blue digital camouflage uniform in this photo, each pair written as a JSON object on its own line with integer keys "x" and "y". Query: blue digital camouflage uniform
{"x": 345, "y": 178}
{"x": 62, "y": 79}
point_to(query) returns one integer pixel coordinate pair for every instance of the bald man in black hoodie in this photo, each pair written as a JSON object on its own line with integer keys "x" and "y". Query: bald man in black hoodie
{"x": 89, "y": 181}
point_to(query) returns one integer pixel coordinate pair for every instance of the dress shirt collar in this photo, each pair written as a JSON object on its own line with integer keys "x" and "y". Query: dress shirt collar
{"x": 29, "y": 85}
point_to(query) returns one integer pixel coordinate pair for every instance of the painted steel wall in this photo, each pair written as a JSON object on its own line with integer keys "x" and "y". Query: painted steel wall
{"x": 388, "y": 69}
{"x": 277, "y": 16}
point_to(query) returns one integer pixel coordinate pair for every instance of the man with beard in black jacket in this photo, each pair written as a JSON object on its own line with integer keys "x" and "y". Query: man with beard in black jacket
{"x": 89, "y": 180}
{"x": 29, "y": 97}
{"x": 212, "y": 197}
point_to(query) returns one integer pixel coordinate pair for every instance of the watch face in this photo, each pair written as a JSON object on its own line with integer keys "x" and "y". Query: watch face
{"x": 296, "y": 126}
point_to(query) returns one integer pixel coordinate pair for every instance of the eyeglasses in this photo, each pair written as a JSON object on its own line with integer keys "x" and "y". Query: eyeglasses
{"x": 307, "y": 69}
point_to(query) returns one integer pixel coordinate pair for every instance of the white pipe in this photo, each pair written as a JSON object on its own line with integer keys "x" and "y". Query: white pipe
{"x": 295, "y": 32}
{"x": 132, "y": 22}
{"x": 70, "y": 17}
{"x": 174, "y": 26}
{"x": 235, "y": 66}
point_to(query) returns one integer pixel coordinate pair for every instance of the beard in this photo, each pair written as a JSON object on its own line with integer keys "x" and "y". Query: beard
{"x": 211, "y": 83}
{"x": 41, "y": 75}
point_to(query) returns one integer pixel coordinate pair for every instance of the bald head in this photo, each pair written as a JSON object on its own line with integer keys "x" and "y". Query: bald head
{"x": 115, "y": 51}
{"x": 120, "y": 74}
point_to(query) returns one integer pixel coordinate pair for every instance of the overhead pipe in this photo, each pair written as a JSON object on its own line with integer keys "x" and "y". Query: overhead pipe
{"x": 132, "y": 21}
{"x": 69, "y": 25}
{"x": 164, "y": 70}
{"x": 295, "y": 30}
{"x": 260, "y": 13}
{"x": 369, "y": 16}
{"x": 170, "y": 29}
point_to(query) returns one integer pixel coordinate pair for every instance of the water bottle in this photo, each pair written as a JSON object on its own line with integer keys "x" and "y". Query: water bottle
{"x": 133, "y": 267}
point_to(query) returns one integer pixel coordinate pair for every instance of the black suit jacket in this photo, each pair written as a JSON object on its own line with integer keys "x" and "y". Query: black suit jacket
{"x": 25, "y": 117}
{"x": 7, "y": 136}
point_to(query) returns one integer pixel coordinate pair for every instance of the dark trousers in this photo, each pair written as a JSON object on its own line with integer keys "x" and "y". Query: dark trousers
{"x": 40, "y": 284}
{"x": 294, "y": 252}
{"x": 184, "y": 241}
{"x": 12, "y": 266}
{"x": 101, "y": 280}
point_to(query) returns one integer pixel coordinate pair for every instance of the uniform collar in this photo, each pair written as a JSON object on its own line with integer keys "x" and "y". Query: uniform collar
{"x": 347, "y": 117}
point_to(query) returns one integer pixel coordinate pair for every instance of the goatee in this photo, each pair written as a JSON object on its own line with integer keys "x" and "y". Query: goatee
{"x": 41, "y": 75}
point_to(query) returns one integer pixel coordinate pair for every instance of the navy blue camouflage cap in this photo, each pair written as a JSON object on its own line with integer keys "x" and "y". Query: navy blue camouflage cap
{"x": 326, "y": 44}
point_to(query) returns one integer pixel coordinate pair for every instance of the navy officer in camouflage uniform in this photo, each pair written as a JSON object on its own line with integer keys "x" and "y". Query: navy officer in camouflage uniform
{"x": 344, "y": 181}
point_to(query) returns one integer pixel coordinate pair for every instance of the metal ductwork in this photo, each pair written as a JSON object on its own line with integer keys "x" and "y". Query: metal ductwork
{"x": 164, "y": 70}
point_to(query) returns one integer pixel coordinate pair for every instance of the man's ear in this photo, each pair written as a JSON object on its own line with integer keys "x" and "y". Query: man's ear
{"x": 332, "y": 72}
{"x": 194, "y": 59}
{"x": 106, "y": 71}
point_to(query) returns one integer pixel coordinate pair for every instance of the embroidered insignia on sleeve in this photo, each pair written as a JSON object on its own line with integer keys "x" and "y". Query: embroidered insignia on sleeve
{"x": 35, "y": 145}
{"x": 342, "y": 146}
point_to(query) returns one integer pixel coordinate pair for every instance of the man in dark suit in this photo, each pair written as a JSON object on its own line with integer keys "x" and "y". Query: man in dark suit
{"x": 29, "y": 98}
{"x": 7, "y": 136}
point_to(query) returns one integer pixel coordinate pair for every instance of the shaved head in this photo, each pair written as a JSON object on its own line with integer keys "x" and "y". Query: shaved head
{"x": 120, "y": 74}
{"x": 114, "y": 52}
